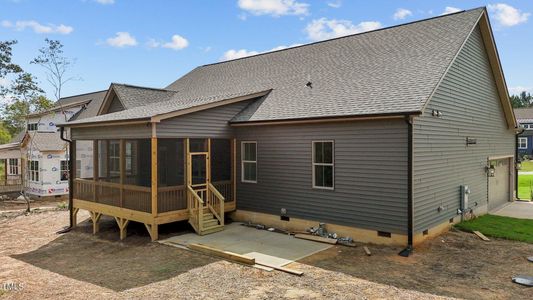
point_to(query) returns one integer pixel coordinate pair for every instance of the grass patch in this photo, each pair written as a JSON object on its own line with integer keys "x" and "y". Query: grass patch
{"x": 527, "y": 166}
{"x": 525, "y": 182}
{"x": 501, "y": 227}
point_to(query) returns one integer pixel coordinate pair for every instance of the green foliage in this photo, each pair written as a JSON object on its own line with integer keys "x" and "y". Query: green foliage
{"x": 501, "y": 227}
{"x": 521, "y": 101}
{"x": 524, "y": 186}
{"x": 5, "y": 136}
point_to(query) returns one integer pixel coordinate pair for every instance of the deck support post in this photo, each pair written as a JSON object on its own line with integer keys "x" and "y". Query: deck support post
{"x": 75, "y": 211}
{"x": 153, "y": 230}
{"x": 95, "y": 217}
{"x": 122, "y": 225}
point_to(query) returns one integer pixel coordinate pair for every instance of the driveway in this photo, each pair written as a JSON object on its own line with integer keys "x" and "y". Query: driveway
{"x": 517, "y": 209}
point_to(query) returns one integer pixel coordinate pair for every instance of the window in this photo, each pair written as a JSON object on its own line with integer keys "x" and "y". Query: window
{"x": 114, "y": 158}
{"x": 131, "y": 158}
{"x": 249, "y": 162}
{"x": 33, "y": 126}
{"x": 323, "y": 165}
{"x": 522, "y": 143}
{"x": 78, "y": 167}
{"x": 33, "y": 166}
{"x": 13, "y": 166}
{"x": 64, "y": 169}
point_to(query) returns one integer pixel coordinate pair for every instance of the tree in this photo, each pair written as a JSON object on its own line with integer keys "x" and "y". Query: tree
{"x": 57, "y": 66}
{"x": 524, "y": 99}
{"x": 6, "y": 65}
{"x": 5, "y": 136}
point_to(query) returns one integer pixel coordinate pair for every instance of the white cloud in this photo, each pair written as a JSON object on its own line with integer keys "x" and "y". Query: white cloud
{"x": 122, "y": 39}
{"x": 152, "y": 43}
{"x": 178, "y": 42}
{"x": 105, "y": 2}
{"x": 450, "y": 10}
{"x": 507, "y": 15}
{"x": 402, "y": 13}
{"x": 323, "y": 28}
{"x": 234, "y": 54}
{"x": 335, "y": 4}
{"x": 274, "y": 8}
{"x": 516, "y": 90}
{"x": 38, "y": 27}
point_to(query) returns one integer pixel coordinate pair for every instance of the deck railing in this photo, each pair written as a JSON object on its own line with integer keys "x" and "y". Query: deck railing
{"x": 171, "y": 198}
{"x": 125, "y": 196}
{"x": 225, "y": 188}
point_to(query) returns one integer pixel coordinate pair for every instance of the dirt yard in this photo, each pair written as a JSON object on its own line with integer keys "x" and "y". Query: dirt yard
{"x": 78, "y": 265}
{"x": 457, "y": 264}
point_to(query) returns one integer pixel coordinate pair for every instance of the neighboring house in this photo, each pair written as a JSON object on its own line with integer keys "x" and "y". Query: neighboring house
{"x": 376, "y": 134}
{"x": 37, "y": 157}
{"x": 524, "y": 116}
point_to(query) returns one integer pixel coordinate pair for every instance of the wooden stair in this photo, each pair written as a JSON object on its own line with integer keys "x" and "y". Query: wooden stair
{"x": 210, "y": 223}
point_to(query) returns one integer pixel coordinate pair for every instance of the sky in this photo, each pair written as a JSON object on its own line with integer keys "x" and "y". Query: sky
{"x": 154, "y": 42}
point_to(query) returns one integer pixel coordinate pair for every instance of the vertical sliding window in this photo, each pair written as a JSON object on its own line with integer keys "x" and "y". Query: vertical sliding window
{"x": 323, "y": 164}
{"x": 522, "y": 143}
{"x": 64, "y": 170}
{"x": 33, "y": 167}
{"x": 249, "y": 162}
{"x": 13, "y": 166}
{"x": 114, "y": 158}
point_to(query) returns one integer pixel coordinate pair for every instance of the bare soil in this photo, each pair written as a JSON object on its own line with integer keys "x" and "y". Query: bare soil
{"x": 457, "y": 264}
{"x": 78, "y": 265}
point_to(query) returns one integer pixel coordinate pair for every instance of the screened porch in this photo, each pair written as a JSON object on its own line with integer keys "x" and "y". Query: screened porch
{"x": 156, "y": 181}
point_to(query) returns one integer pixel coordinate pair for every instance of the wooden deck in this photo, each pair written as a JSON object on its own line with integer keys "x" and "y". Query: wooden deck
{"x": 10, "y": 185}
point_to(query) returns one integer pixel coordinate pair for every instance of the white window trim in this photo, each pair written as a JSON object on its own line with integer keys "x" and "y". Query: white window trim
{"x": 10, "y": 167}
{"x": 313, "y": 164}
{"x": 34, "y": 173}
{"x": 248, "y": 161}
{"x": 520, "y": 139}
{"x": 61, "y": 170}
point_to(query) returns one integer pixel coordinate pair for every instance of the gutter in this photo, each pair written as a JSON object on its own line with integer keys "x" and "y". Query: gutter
{"x": 70, "y": 182}
{"x": 410, "y": 205}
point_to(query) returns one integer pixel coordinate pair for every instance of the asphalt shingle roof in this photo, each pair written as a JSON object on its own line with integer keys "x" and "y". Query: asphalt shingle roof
{"x": 47, "y": 141}
{"x": 524, "y": 115}
{"x": 92, "y": 108}
{"x": 389, "y": 71}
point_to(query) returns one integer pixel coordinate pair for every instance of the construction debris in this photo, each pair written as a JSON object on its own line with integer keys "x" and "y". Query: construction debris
{"x": 524, "y": 280}
{"x": 367, "y": 251}
{"x": 316, "y": 238}
{"x": 481, "y": 236}
{"x": 530, "y": 258}
{"x": 283, "y": 269}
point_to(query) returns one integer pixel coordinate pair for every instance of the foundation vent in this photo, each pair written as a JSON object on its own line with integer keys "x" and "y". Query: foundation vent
{"x": 384, "y": 234}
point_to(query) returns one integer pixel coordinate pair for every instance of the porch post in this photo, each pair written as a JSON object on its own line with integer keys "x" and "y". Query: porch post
{"x": 5, "y": 171}
{"x": 95, "y": 168}
{"x": 154, "y": 171}
{"x": 234, "y": 171}
{"x": 122, "y": 149}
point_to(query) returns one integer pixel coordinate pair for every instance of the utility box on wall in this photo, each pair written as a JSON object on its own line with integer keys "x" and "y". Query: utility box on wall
{"x": 465, "y": 192}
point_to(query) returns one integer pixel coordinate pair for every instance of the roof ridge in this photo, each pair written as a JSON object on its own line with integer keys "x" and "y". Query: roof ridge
{"x": 77, "y": 95}
{"x": 346, "y": 36}
{"x": 144, "y": 87}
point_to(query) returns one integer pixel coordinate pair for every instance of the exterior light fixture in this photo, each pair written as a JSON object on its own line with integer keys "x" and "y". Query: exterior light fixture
{"x": 491, "y": 171}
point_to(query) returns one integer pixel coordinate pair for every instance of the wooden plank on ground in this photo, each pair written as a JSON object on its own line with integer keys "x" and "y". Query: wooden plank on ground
{"x": 367, "y": 251}
{"x": 481, "y": 236}
{"x": 221, "y": 253}
{"x": 316, "y": 238}
{"x": 286, "y": 270}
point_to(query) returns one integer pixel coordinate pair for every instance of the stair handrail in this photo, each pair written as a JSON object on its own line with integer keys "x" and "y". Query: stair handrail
{"x": 199, "y": 204}
{"x": 218, "y": 196}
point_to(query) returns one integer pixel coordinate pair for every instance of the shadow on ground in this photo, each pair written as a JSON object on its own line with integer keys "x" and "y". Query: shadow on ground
{"x": 457, "y": 264}
{"x": 106, "y": 261}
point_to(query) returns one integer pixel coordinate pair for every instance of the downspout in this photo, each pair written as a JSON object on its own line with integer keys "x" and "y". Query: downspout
{"x": 410, "y": 205}
{"x": 519, "y": 131}
{"x": 70, "y": 181}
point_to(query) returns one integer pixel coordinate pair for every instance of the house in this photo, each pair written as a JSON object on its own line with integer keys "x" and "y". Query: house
{"x": 37, "y": 158}
{"x": 388, "y": 136}
{"x": 524, "y": 116}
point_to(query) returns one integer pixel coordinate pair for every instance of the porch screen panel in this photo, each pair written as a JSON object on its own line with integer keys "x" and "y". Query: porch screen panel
{"x": 84, "y": 168}
{"x": 221, "y": 167}
{"x": 170, "y": 177}
{"x": 138, "y": 162}
{"x": 171, "y": 162}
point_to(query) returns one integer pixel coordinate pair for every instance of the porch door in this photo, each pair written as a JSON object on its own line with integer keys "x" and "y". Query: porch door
{"x": 199, "y": 173}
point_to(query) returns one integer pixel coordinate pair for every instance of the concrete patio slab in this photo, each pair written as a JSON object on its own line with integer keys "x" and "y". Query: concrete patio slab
{"x": 517, "y": 209}
{"x": 244, "y": 240}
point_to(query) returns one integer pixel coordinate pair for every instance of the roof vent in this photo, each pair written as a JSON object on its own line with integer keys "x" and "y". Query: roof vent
{"x": 309, "y": 84}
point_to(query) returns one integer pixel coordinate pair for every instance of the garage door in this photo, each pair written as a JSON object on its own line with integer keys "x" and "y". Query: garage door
{"x": 499, "y": 185}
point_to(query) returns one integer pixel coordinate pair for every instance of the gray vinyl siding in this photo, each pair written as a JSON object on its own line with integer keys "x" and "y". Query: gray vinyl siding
{"x": 470, "y": 106}
{"x": 370, "y": 173}
{"x": 207, "y": 123}
{"x": 115, "y": 106}
{"x": 112, "y": 132}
